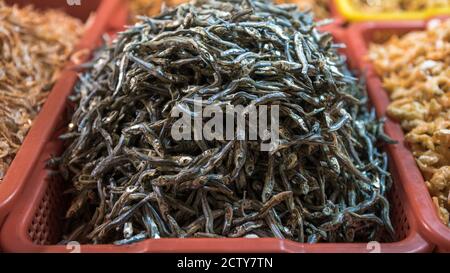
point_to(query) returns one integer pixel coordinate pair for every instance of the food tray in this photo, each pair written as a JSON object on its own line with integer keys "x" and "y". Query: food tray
{"x": 416, "y": 191}
{"x": 28, "y": 154}
{"x": 34, "y": 224}
{"x": 350, "y": 13}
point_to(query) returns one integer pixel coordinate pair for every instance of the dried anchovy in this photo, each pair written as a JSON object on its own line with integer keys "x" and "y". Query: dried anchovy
{"x": 326, "y": 182}
{"x": 33, "y": 48}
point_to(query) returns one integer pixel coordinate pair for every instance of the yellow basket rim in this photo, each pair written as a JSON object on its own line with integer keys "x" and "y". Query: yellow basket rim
{"x": 351, "y": 13}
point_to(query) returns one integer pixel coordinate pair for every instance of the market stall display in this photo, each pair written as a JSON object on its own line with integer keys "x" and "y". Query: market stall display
{"x": 96, "y": 149}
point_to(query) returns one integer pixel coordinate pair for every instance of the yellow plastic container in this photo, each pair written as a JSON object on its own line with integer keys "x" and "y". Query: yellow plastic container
{"x": 350, "y": 13}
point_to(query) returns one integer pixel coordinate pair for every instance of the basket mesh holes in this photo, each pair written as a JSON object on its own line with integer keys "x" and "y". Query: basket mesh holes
{"x": 398, "y": 215}
{"x": 46, "y": 226}
{"x": 47, "y": 221}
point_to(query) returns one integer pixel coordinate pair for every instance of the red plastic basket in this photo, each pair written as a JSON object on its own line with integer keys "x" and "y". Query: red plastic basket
{"x": 416, "y": 191}
{"x": 34, "y": 225}
{"x": 28, "y": 154}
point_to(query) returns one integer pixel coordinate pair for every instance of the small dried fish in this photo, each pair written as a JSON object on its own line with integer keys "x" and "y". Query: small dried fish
{"x": 320, "y": 185}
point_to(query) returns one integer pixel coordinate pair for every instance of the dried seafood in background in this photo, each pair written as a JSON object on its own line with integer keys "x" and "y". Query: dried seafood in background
{"x": 320, "y": 8}
{"x": 144, "y": 7}
{"x": 399, "y": 5}
{"x": 415, "y": 70}
{"x": 327, "y": 181}
{"x": 33, "y": 48}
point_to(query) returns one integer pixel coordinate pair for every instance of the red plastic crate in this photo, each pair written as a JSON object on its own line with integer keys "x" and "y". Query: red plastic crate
{"x": 107, "y": 13}
{"x": 416, "y": 191}
{"x": 34, "y": 224}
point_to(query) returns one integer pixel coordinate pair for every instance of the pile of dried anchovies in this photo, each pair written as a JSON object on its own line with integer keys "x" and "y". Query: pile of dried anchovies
{"x": 33, "y": 48}
{"x": 326, "y": 182}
